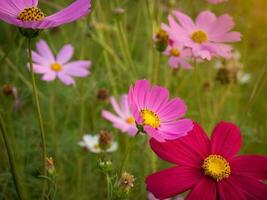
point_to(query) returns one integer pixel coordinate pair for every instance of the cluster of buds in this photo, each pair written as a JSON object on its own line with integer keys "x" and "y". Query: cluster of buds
{"x": 126, "y": 182}
{"x": 10, "y": 90}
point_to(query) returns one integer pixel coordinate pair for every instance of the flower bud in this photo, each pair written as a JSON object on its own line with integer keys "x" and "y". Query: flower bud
{"x": 50, "y": 166}
{"x": 161, "y": 40}
{"x": 126, "y": 182}
{"x": 105, "y": 140}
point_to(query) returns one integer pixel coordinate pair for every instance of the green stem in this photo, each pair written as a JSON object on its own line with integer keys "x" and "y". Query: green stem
{"x": 39, "y": 114}
{"x": 11, "y": 160}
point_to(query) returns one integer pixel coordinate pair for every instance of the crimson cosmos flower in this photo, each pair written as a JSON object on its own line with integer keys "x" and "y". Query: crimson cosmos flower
{"x": 209, "y": 168}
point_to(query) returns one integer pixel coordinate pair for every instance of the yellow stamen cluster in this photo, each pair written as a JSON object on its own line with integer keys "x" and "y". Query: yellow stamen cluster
{"x": 199, "y": 37}
{"x": 31, "y": 14}
{"x": 56, "y": 67}
{"x": 130, "y": 120}
{"x": 150, "y": 118}
{"x": 216, "y": 167}
{"x": 175, "y": 52}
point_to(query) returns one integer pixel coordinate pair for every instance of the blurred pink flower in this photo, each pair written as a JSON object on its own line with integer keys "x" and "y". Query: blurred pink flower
{"x": 206, "y": 37}
{"x": 216, "y": 1}
{"x": 50, "y": 67}
{"x": 156, "y": 114}
{"x": 178, "y": 55}
{"x": 26, "y": 14}
{"x": 124, "y": 119}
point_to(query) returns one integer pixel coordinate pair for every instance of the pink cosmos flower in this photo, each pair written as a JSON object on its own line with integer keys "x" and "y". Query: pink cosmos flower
{"x": 156, "y": 114}
{"x": 50, "y": 67}
{"x": 26, "y": 14}
{"x": 206, "y": 37}
{"x": 216, "y": 1}
{"x": 124, "y": 119}
{"x": 210, "y": 169}
{"x": 178, "y": 55}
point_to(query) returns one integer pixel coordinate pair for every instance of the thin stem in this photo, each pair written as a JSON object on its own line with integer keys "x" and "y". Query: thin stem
{"x": 11, "y": 160}
{"x": 39, "y": 114}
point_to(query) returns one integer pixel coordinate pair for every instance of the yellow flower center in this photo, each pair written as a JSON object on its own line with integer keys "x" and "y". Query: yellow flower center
{"x": 56, "y": 67}
{"x": 31, "y": 14}
{"x": 150, "y": 118}
{"x": 175, "y": 52}
{"x": 199, "y": 37}
{"x": 216, "y": 167}
{"x": 130, "y": 120}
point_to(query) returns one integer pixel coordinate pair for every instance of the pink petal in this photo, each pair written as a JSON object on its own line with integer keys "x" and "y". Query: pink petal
{"x": 175, "y": 31}
{"x": 176, "y": 129}
{"x": 49, "y": 76}
{"x": 117, "y": 122}
{"x": 205, "y": 20}
{"x": 44, "y": 50}
{"x": 141, "y": 89}
{"x": 40, "y": 60}
{"x": 226, "y": 140}
{"x": 133, "y": 105}
{"x": 65, "y": 54}
{"x": 170, "y": 182}
{"x": 226, "y": 37}
{"x": 39, "y": 69}
{"x": 250, "y": 165}
{"x": 66, "y": 78}
{"x": 227, "y": 190}
{"x": 125, "y": 106}
{"x": 189, "y": 150}
{"x": 204, "y": 190}
{"x": 71, "y": 13}
{"x": 153, "y": 133}
{"x": 116, "y": 107}
{"x": 223, "y": 24}
{"x": 28, "y": 3}
{"x": 174, "y": 109}
{"x": 77, "y": 71}
{"x": 11, "y": 8}
{"x": 185, "y": 21}
{"x": 158, "y": 97}
{"x": 81, "y": 63}
{"x": 250, "y": 187}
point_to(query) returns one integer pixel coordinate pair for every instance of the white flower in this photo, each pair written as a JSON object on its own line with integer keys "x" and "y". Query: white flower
{"x": 91, "y": 143}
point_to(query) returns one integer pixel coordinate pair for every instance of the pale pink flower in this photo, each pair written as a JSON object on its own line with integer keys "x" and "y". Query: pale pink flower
{"x": 160, "y": 117}
{"x": 52, "y": 67}
{"x": 26, "y": 14}
{"x": 216, "y": 1}
{"x": 124, "y": 119}
{"x": 178, "y": 55}
{"x": 206, "y": 36}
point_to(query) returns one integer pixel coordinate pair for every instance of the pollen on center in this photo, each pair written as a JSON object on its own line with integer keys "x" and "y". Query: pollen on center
{"x": 150, "y": 118}
{"x": 56, "y": 67}
{"x": 199, "y": 37}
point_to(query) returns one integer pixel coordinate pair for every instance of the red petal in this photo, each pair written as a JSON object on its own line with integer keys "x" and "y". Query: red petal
{"x": 204, "y": 190}
{"x": 172, "y": 181}
{"x": 252, "y": 188}
{"x": 189, "y": 150}
{"x": 226, "y": 140}
{"x": 227, "y": 190}
{"x": 250, "y": 166}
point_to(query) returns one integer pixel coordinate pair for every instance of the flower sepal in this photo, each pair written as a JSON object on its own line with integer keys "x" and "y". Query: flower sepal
{"x": 29, "y": 33}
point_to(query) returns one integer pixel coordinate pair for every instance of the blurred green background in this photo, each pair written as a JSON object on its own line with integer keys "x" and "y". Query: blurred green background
{"x": 119, "y": 43}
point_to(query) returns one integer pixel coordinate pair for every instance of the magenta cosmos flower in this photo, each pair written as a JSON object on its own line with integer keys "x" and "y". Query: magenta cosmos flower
{"x": 207, "y": 36}
{"x": 156, "y": 114}
{"x": 179, "y": 56}
{"x": 211, "y": 169}
{"x": 124, "y": 119}
{"x": 26, "y": 14}
{"x": 50, "y": 67}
